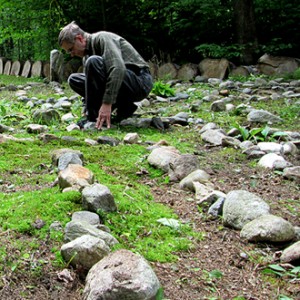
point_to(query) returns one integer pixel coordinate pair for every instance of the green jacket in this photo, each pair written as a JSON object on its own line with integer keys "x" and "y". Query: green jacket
{"x": 118, "y": 54}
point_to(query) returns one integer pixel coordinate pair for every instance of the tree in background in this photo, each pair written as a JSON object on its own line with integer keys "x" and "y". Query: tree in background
{"x": 278, "y": 22}
{"x": 245, "y": 29}
{"x": 27, "y": 29}
{"x": 170, "y": 30}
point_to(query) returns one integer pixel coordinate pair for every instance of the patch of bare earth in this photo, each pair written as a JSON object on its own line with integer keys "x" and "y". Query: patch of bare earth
{"x": 222, "y": 249}
{"x": 33, "y": 276}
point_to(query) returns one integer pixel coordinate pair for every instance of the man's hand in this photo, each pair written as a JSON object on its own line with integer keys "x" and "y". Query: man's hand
{"x": 104, "y": 116}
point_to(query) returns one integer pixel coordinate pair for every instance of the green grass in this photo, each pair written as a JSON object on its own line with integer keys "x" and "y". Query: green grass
{"x": 136, "y": 224}
{"x": 19, "y": 210}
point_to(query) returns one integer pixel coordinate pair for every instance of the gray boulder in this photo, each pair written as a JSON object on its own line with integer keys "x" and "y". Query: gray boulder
{"x": 121, "y": 275}
{"x": 290, "y": 254}
{"x": 84, "y": 251}
{"x": 98, "y": 196}
{"x": 161, "y": 157}
{"x": 292, "y": 173}
{"x": 86, "y": 216}
{"x": 182, "y": 166}
{"x": 75, "y": 229}
{"x": 241, "y": 207}
{"x": 69, "y": 158}
{"x": 46, "y": 116}
{"x": 195, "y": 176}
{"x": 213, "y": 136}
{"x": 262, "y": 116}
{"x": 268, "y": 228}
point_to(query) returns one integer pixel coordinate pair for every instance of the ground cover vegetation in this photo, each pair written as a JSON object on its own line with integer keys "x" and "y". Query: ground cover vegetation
{"x": 178, "y": 31}
{"x": 30, "y": 254}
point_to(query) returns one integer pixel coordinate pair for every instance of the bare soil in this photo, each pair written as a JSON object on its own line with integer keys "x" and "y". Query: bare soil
{"x": 240, "y": 263}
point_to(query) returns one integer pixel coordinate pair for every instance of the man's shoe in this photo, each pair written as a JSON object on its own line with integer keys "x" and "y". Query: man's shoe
{"x": 82, "y": 122}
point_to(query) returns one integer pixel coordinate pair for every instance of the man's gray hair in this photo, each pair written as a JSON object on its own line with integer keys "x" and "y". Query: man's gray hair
{"x": 69, "y": 33}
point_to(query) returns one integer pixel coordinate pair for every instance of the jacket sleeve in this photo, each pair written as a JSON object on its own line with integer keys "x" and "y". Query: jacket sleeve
{"x": 115, "y": 66}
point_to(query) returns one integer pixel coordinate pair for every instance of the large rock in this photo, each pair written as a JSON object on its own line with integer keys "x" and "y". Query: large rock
{"x": 270, "y": 147}
{"x": 56, "y": 154}
{"x": 183, "y": 166}
{"x": 268, "y": 228}
{"x": 167, "y": 71}
{"x": 161, "y": 157}
{"x": 292, "y": 173}
{"x": 121, "y": 275}
{"x": 269, "y": 160}
{"x": 262, "y": 116}
{"x": 187, "y": 72}
{"x": 75, "y": 229}
{"x": 67, "y": 159}
{"x": 195, "y": 176}
{"x": 75, "y": 175}
{"x": 46, "y": 116}
{"x": 213, "y": 136}
{"x": 214, "y": 68}
{"x": 86, "y": 216}
{"x": 98, "y": 196}
{"x": 241, "y": 207}
{"x": 290, "y": 254}
{"x": 56, "y": 66}
{"x": 271, "y": 65}
{"x": 240, "y": 71}
{"x": 84, "y": 251}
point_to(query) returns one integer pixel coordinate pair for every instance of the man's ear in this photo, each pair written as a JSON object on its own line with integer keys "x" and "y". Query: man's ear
{"x": 79, "y": 37}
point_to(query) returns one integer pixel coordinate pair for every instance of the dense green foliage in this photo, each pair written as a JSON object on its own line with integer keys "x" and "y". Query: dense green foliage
{"x": 180, "y": 31}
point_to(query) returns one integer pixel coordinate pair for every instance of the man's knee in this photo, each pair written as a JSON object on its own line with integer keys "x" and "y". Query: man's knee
{"x": 77, "y": 83}
{"x": 94, "y": 61}
{"x": 72, "y": 79}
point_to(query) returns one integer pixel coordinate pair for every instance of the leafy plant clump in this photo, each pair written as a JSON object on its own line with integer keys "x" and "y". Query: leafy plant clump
{"x": 292, "y": 274}
{"x": 258, "y": 134}
{"x": 162, "y": 89}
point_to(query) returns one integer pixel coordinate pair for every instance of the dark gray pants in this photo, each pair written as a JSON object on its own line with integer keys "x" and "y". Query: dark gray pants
{"x": 136, "y": 85}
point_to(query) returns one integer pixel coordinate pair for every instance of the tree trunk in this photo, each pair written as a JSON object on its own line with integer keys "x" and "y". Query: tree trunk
{"x": 245, "y": 29}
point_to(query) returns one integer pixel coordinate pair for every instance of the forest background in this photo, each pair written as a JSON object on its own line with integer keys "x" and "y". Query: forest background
{"x": 162, "y": 30}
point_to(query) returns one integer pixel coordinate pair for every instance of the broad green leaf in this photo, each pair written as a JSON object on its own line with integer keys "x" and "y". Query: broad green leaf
{"x": 265, "y": 131}
{"x": 296, "y": 270}
{"x": 277, "y": 268}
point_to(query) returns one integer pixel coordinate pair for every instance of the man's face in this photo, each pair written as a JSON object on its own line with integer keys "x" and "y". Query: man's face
{"x": 77, "y": 48}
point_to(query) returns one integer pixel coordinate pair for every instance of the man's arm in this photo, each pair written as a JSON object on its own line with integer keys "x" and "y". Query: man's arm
{"x": 116, "y": 70}
{"x": 115, "y": 66}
